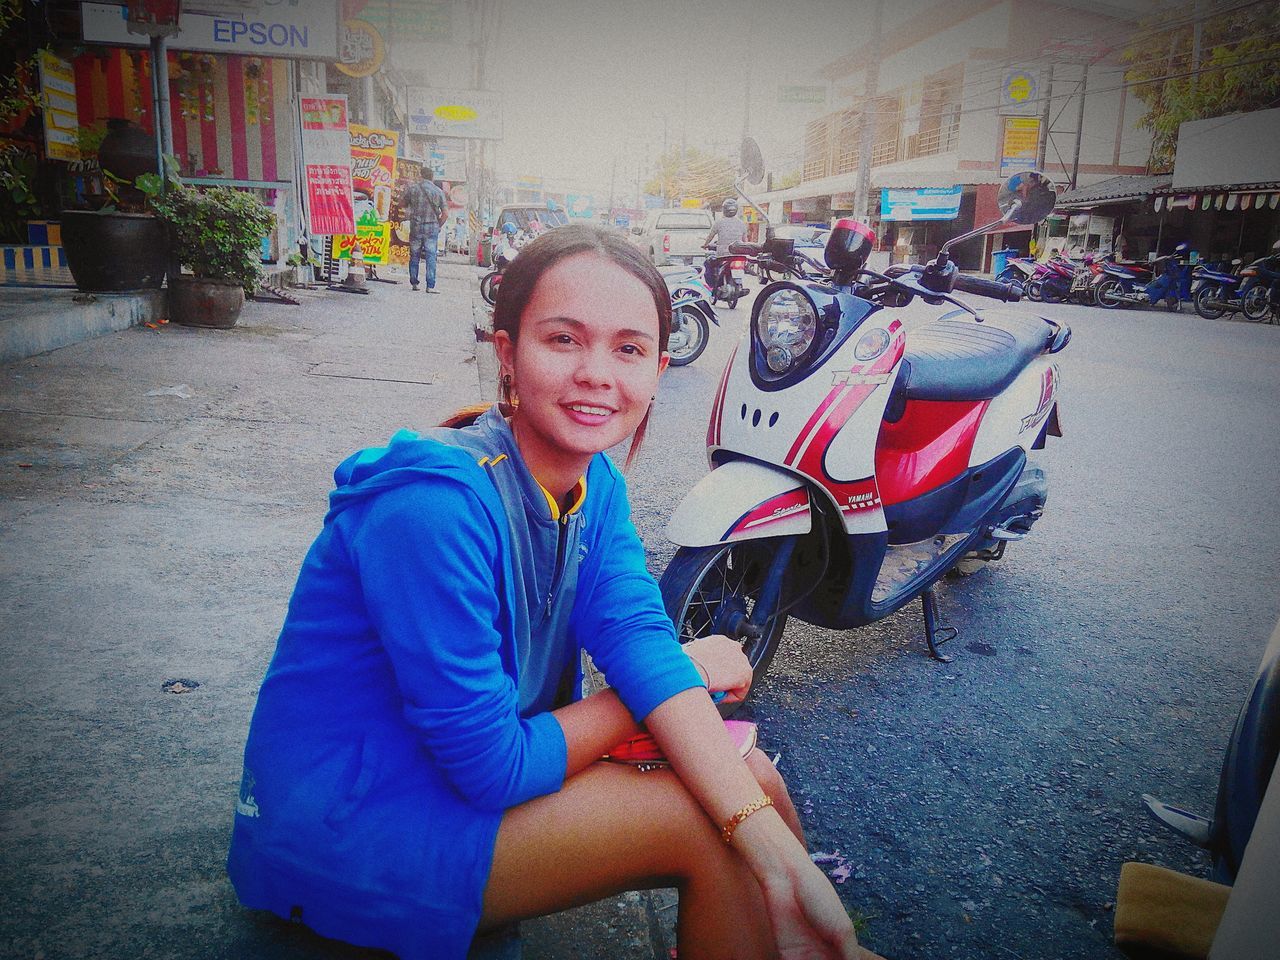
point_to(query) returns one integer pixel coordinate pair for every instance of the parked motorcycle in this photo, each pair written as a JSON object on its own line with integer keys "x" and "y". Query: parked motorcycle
{"x": 1216, "y": 292}
{"x": 1018, "y": 270}
{"x": 1052, "y": 280}
{"x": 1125, "y": 286}
{"x": 1260, "y": 292}
{"x": 854, "y": 463}
{"x": 726, "y": 275}
{"x": 691, "y": 310}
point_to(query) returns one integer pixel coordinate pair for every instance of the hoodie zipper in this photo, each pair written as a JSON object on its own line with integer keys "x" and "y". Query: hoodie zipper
{"x": 562, "y": 537}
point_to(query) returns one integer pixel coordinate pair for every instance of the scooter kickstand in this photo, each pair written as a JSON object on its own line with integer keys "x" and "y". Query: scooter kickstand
{"x": 935, "y": 634}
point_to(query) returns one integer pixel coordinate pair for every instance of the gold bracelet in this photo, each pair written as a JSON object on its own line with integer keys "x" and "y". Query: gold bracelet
{"x": 726, "y": 833}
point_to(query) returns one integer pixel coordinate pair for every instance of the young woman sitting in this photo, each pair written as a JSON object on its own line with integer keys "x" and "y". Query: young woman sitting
{"x": 418, "y": 767}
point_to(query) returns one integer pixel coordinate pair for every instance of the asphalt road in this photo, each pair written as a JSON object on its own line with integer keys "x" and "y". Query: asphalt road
{"x": 984, "y": 807}
{"x": 157, "y": 490}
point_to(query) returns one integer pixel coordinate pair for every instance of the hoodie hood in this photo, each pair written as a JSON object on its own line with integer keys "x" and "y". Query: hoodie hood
{"x": 410, "y": 456}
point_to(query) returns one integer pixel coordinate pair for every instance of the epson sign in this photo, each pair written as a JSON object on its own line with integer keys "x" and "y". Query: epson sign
{"x": 268, "y": 28}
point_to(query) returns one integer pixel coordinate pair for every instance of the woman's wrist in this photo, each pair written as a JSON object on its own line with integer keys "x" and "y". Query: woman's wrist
{"x": 702, "y": 670}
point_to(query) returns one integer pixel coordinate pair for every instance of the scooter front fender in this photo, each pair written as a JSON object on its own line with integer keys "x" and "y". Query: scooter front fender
{"x": 741, "y": 500}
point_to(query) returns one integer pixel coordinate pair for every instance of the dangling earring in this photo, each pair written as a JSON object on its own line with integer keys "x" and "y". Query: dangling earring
{"x": 505, "y": 390}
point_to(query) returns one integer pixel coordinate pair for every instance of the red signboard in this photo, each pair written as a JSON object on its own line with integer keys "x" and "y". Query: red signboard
{"x": 326, "y": 152}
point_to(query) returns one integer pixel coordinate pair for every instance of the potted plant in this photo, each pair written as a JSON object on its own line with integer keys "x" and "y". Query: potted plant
{"x": 120, "y": 246}
{"x": 216, "y": 233}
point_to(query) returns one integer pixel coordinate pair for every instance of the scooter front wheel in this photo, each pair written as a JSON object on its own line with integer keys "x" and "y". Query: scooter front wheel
{"x": 715, "y": 590}
{"x": 489, "y": 284}
{"x": 1032, "y": 290}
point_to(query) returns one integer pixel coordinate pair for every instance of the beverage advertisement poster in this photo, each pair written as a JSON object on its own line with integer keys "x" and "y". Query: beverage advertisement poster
{"x": 407, "y": 172}
{"x": 373, "y": 167}
{"x": 326, "y": 155}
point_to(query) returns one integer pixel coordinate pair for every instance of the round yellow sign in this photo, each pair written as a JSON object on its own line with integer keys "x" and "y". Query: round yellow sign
{"x": 454, "y": 112}
{"x": 361, "y": 52}
{"x": 1019, "y": 88}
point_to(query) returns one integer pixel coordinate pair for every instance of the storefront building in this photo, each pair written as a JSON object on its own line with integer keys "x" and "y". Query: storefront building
{"x": 979, "y": 115}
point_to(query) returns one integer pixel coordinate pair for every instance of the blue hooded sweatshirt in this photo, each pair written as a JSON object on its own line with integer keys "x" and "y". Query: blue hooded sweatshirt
{"x": 435, "y": 618}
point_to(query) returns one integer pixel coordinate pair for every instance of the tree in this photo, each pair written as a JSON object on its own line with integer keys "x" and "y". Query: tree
{"x": 19, "y": 100}
{"x": 702, "y": 176}
{"x": 1238, "y": 69}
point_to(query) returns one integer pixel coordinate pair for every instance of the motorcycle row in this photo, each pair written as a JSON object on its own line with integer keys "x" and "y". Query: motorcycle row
{"x": 1215, "y": 290}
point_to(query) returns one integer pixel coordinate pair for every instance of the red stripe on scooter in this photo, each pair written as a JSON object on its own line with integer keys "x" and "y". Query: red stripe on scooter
{"x": 835, "y": 419}
{"x": 717, "y": 407}
{"x": 772, "y": 510}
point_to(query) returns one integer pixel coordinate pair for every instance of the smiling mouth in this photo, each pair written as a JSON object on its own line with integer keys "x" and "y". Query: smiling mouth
{"x": 589, "y": 410}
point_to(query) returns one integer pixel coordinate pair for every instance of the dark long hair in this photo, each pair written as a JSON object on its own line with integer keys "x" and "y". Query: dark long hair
{"x": 540, "y": 255}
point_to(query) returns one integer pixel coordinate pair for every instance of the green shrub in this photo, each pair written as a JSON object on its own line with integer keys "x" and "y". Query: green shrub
{"x": 217, "y": 231}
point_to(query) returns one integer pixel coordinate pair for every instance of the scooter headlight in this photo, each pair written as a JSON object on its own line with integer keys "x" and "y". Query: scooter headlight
{"x": 786, "y": 325}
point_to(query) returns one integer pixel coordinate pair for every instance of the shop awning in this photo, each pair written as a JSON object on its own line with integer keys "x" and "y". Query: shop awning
{"x": 1114, "y": 190}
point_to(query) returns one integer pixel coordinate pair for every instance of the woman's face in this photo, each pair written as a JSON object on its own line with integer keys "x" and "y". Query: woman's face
{"x": 586, "y": 364}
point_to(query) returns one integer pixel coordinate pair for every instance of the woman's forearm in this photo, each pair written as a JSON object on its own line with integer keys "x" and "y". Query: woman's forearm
{"x": 591, "y": 726}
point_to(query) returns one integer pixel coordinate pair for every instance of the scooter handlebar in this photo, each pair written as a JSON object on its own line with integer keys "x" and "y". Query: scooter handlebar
{"x": 1008, "y": 292}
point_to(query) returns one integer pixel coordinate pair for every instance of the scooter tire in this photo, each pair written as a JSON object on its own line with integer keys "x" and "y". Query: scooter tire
{"x": 1204, "y": 296}
{"x": 1108, "y": 294}
{"x": 1255, "y": 306}
{"x": 1032, "y": 290}
{"x": 1049, "y": 294}
{"x": 489, "y": 284}
{"x": 689, "y": 335}
{"x": 695, "y": 593}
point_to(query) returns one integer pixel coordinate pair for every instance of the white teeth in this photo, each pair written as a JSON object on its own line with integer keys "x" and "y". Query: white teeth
{"x": 593, "y": 411}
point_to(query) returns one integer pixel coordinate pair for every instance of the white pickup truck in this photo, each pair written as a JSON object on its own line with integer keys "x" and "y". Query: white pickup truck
{"x": 674, "y": 235}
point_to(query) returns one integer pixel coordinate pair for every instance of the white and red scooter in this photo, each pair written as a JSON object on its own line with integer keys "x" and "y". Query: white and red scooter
{"x": 855, "y": 462}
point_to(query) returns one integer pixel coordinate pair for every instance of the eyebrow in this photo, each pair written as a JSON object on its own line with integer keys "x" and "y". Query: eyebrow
{"x": 628, "y": 333}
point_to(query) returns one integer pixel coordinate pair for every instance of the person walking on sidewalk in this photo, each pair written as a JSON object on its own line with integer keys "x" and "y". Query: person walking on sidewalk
{"x": 420, "y": 765}
{"x": 428, "y": 210}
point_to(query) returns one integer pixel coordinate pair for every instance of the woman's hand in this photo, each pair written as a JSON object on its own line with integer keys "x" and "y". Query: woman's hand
{"x": 809, "y": 921}
{"x": 724, "y": 664}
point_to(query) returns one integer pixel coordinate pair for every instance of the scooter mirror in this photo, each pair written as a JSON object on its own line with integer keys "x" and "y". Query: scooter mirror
{"x": 1027, "y": 197}
{"x": 751, "y": 160}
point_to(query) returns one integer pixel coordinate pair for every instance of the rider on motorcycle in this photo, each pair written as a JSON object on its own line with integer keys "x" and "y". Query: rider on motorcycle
{"x": 727, "y": 230}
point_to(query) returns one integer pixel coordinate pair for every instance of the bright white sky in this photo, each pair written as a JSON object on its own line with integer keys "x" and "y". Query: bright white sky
{"x": 588, "y": 81}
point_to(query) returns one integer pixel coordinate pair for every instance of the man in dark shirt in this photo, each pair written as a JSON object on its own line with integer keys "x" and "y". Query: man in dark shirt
{"x": 427, "y": 209}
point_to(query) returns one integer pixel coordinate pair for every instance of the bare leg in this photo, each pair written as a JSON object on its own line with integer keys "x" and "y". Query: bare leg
{"x": 612, "y": 828}
{"x": 771, "y": 782}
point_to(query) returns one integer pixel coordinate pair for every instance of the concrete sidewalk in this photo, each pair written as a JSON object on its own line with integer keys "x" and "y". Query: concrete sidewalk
{"x": 158, "y": 489}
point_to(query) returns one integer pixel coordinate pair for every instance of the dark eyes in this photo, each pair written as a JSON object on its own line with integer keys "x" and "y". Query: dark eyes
{"x": 629, "y": 349}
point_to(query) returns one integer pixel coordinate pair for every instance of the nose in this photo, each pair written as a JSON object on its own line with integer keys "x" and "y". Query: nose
{"x": 595, "y": 368}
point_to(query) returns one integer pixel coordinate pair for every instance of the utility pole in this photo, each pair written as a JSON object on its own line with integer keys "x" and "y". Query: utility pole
{"x": 1042, "y": 148}
{"x": 861, "y": 198}
{"x": 1084, "y": 86}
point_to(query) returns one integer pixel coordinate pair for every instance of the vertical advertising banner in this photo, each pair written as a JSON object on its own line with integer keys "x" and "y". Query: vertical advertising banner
{"x": 326, "y": 156}
{"x": 58, "y": 97}
{"x": 1021, "y": 144}
{"x": 373, "y": 172}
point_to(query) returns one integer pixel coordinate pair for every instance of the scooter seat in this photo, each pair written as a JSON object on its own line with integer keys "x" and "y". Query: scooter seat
{"x": 959, "y": 359}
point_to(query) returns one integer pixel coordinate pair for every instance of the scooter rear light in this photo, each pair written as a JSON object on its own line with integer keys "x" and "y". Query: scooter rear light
{"x": 738, "y": 264}
{"x": 666, "y": 243}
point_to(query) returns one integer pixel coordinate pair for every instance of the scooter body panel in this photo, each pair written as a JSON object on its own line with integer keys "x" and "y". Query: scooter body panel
{"x": 822, "y": 428}
{"x": 1016, "y": 417}
{"x": 741, "y": 500}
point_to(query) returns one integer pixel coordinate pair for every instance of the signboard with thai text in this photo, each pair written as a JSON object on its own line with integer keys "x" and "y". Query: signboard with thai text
{"x": 442, "y": 112}
{"x": 58, "y": 98}
{"x": 373, "y": 173}
{"x": 925, "y": 203}
{"x": 374, "y": 240}
{"x": 257, "y": 28}
{"x": 326, "y": 157}
{"x": 1021, "y": 144}
{"x": 408, "y": 172}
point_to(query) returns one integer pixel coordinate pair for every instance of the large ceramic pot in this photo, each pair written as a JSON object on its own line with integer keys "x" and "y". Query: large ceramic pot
{"x": 114, "y": 252}
{"x": 127, "y": 151}
{"x": 197, "y": 302}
